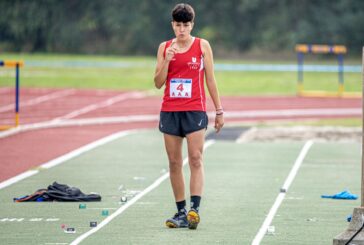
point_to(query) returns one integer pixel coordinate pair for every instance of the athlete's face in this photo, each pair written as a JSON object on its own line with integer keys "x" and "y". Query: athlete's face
{"x": 182, "y": 30}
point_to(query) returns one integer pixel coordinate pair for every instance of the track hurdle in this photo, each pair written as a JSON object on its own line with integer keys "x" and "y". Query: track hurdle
{"x": 16, "y": 65}
{"x": 340, "y": 51}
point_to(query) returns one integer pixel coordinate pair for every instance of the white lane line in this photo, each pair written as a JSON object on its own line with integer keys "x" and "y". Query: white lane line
{"x": 78, "y": 122}
{"x": 297, "y": 165}
{"x": 18, "y": 178}
{"x": 256, "y": 114}
{"x": 38, "y": 100}
{"x": 111, "y": 120}
{"x": 57, "y": 122}
{"x": 66, "y": 157}
{"x": 85, "y": 148}
{"x": 131, "y": 202}
{"x": 294, "y": 112}
{"x": 105, "y": 103}
{"x": 268, "y": 220}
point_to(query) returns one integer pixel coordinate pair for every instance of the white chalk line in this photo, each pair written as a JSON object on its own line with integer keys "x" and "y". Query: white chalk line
{"x": 294, "y": 112}
{"x": 131, "y": 202}
{"x": 256, "y": 114}
{"x": 18, "y": 178}
{"x": 268, "y": 220}
{"x": 66, "y": 157}
{"x": 108, "y": 102}
{"x": 38, "y": 100}
{"x": 57, "y": 122}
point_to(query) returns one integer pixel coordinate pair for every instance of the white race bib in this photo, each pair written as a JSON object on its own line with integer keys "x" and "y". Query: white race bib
{"x": 180, "y": 88}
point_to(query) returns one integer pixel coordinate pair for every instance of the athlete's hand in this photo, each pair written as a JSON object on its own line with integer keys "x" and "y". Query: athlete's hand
{"x": 219, "y": 122}
{"x": 171, "y": 51}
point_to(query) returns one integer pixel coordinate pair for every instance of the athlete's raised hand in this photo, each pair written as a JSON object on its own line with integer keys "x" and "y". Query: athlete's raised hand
{"x": 171, "y": 51}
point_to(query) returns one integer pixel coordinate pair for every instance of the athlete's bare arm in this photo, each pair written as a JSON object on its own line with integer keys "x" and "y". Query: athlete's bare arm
{"x": 211, "y": 81}
{"x": 161, "y": 71}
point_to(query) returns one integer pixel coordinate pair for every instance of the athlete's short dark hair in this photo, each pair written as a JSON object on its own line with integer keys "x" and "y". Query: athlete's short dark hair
{"x": 183, "y": 12}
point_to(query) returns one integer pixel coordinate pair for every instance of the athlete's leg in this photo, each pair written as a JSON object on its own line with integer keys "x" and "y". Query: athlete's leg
{"x": 173, "y": 146}
{"x": 195, "y": 142}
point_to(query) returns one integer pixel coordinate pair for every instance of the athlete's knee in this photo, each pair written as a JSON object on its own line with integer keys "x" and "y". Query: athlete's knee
{"x": 175, "y": 165}
{"x": 195, "y": 159}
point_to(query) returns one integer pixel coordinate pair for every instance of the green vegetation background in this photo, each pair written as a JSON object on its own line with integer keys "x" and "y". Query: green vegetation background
{"x": 128, "y": 27}
{"x": 137, "y": 73}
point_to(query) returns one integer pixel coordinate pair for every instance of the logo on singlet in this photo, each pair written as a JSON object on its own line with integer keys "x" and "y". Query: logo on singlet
{"x": 194, "y": 65}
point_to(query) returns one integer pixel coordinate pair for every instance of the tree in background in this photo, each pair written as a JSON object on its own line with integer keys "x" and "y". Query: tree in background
{"x": 136, "y": 27}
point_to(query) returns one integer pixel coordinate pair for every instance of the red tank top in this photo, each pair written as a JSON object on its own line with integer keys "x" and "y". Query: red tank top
{"x": 184, "y": 90}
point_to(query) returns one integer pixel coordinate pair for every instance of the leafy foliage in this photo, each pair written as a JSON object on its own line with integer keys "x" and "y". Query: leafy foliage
{"x": 137, "y": 27}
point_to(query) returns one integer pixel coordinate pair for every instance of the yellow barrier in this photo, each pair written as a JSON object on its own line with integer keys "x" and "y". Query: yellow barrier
{"x": 339, "y": 51}
{"x": 320, "y": 49}
{"x": 12, "y": 63}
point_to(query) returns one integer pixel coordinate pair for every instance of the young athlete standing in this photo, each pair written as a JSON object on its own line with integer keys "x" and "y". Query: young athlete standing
{"x": 182, "y": 64}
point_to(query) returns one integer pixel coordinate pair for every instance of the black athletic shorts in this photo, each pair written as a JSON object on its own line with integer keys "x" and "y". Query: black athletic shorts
{"x": 181, "y": 123}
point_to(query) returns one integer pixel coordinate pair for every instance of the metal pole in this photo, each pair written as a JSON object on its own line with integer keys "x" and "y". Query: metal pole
{"x": 362, "y": 144}
{"x": 300, "y": 72}
{"x": 17, "y": 94}
{"x": 340, "y": 59}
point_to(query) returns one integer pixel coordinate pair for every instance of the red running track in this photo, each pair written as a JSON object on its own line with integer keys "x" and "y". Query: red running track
{"x": 25, "y": 150}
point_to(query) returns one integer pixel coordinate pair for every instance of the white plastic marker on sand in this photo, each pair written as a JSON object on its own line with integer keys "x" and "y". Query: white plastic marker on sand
{"x": 67, "y": 157}
{"x": 131, "y": 202}
{"x": 268, "y": 220}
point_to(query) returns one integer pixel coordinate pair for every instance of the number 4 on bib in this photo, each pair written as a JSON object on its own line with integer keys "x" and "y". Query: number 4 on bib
{"x": 180, "y": 88}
